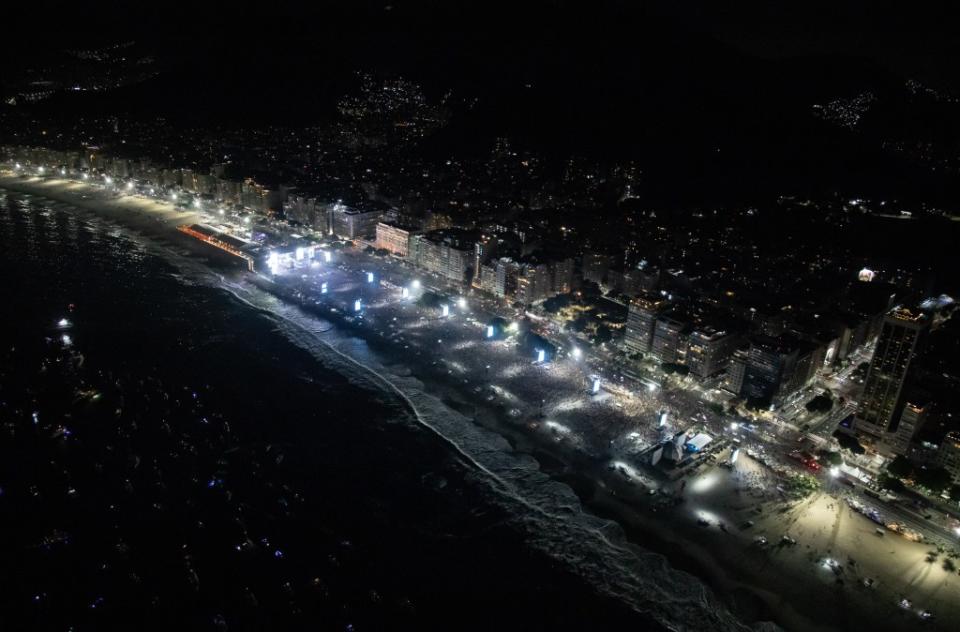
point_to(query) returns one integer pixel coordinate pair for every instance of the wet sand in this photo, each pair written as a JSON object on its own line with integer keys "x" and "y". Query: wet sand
{"x": 783, "y": 584}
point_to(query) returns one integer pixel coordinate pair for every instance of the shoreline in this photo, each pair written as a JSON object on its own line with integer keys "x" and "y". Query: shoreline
{"x": 752, "y": 592}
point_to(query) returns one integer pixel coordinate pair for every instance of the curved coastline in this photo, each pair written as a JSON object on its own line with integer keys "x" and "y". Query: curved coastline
{"x": 751, "y": 594}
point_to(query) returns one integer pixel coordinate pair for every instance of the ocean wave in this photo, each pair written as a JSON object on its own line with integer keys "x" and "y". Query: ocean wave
{"x": 547, "y": 512}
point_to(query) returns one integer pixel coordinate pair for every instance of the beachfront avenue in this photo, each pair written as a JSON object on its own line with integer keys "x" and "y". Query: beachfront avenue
{"x": 582, "y": 403}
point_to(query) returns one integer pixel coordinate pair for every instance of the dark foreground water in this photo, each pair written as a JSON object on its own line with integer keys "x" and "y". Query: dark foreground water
{"x": 171, "y": 461}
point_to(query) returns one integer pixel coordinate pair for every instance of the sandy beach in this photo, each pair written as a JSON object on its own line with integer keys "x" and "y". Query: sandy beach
{"x": 815, "y": 584}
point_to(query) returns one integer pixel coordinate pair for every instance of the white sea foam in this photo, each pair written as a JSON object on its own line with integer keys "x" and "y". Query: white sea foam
{"x": 548, "y": 513}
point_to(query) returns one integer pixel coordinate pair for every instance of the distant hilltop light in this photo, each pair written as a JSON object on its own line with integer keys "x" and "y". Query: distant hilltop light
{"x": 866, "y": 275}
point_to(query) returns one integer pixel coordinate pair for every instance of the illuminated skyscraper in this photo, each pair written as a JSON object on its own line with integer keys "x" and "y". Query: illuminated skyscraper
{"x": 897, "y": 345}
{"x": 914, "y": 411}
{"x": 641, "y": 322}
{"x": 948, "y": 455}
{"x": 709, "y": 350}
{"x": 668, "y": 339}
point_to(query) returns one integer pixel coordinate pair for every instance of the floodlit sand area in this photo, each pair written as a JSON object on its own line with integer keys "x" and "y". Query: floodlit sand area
{"x": 815, "y": 584}
{"x": 143, "y": 214}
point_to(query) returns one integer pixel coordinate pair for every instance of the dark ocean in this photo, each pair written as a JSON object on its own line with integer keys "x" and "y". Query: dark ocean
{"x": 172, "y": 458}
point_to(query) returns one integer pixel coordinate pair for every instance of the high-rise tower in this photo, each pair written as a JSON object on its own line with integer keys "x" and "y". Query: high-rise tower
{"x": 882, "y": 400}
